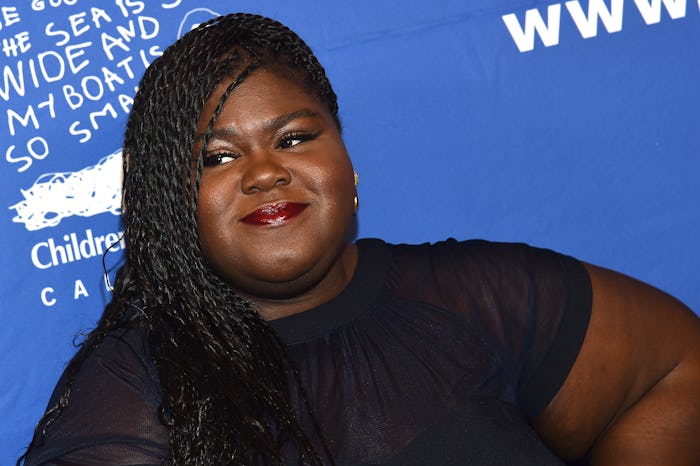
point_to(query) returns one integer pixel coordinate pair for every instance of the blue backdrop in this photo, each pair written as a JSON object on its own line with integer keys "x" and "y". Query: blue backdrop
{"x": 569, "y": 125}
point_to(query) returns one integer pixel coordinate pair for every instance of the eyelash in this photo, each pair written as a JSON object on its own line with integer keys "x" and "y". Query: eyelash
{"x": 214, "y": 159}
{"x": 300, "y": 136}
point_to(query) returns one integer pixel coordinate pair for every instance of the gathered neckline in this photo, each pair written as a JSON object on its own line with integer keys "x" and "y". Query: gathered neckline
{"x": 361, "y": 291}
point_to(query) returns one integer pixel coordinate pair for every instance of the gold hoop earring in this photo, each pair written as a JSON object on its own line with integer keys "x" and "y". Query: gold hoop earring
{"x": 356, "y": 202}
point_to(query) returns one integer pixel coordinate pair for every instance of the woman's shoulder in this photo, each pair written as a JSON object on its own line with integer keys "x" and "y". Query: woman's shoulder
{"x": 110, "y": 406}
{"x": 464, "y": 265}
{"x": 474, "y": 249}
{"x": 127, "y": 351}
{"x": 529, "y": 305}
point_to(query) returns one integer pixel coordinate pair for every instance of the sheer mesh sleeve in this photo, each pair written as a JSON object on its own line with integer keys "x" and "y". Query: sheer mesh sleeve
{"x": 112, "y": 414}
{"x": 531, "y": 306}
{"x": 559, "y": 315}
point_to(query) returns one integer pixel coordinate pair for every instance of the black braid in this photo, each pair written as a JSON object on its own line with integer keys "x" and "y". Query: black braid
{"x": 223, "y": 371}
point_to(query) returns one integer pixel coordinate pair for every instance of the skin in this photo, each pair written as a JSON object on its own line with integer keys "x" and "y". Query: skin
{"x": 274, "y": 142}
{"x": 633, "y": 394}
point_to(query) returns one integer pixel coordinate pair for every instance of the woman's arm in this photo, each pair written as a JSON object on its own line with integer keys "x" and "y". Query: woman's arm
{"x": 633, "y": 394}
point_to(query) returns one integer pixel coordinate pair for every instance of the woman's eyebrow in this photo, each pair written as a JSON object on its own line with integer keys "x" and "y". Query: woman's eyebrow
{"x": 272, "y": 124}
{"x": 282, "y": 120}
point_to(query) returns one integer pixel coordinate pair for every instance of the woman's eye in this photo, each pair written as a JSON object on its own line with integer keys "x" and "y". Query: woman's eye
{"x": 292, "y": 140}
{"x": 211, "y": 160}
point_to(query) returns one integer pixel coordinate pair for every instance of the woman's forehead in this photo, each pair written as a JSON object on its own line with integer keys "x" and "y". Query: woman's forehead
{"x": 258, "y": 86}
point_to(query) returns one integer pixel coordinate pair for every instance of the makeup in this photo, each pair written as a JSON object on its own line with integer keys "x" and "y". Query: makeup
{"x": 274, "y": 214}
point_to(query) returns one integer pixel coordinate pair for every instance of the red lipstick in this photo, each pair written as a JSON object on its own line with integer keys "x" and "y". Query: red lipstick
{"x": 274, "y": 214}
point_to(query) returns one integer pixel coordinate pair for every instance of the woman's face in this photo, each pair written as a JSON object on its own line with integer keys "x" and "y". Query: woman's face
{"x": 276, "y": 194}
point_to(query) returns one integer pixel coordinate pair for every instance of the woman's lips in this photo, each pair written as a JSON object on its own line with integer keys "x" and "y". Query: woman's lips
{"x": 274, "y": 214}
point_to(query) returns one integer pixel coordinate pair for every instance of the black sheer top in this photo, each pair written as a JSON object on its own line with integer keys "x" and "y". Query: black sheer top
{"x": 434, "y": 354}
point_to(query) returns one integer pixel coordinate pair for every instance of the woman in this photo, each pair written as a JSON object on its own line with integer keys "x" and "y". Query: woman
{"x": 255, "y": 332}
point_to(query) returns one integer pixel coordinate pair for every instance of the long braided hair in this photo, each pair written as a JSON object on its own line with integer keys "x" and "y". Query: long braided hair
{"x": 223, "y": 372}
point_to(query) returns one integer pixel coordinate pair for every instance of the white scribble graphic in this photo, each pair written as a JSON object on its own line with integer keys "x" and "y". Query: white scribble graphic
{"x": 92, "y": 190}
{"x": 87, "y": 192}
{"x": 194, "y": 18}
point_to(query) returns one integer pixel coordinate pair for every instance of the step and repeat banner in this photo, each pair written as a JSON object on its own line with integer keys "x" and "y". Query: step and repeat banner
{"x": 571, "y": 125}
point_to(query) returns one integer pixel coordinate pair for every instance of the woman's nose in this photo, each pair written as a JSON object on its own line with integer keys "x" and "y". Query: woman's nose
{"x": 263, "y": 172}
